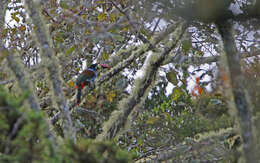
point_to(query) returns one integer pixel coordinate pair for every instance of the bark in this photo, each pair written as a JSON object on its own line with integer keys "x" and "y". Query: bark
{"x": 240, "y": 95}
{"x": 141, "y": 88}
{"x": 48, "y": 55}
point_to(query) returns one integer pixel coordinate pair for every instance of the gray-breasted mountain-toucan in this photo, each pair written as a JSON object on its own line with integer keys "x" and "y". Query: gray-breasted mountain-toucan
{"x": 86, "y": 77}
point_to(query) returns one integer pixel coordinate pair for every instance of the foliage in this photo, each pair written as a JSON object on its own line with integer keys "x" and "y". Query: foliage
{"x": 88, "y": 150}
{"x": 25, "y": 137}
{"x": 174, "y": 120}
{"x": 107, "y": 31}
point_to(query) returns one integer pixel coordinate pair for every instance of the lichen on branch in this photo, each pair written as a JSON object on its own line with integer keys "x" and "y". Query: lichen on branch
{"x": 141, "y": 87}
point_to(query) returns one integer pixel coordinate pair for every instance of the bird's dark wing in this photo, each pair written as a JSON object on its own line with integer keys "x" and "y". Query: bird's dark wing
{"x": 88, "y": 74}
{"x": 85, "y": 76}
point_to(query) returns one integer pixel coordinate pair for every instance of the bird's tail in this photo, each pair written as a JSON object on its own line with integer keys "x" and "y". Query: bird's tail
{"x": 78, "y": 95}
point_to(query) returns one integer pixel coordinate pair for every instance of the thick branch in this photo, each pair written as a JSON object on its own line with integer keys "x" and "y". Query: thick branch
{"x": 24, "y": 83}
{"x": 141, "y": 87}
{"x": 242, "y": 102}
{"x": 3, "y": 6}
{"x": 49, "y": 59}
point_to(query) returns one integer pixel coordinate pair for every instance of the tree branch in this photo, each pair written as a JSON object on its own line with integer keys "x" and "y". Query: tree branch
{"x": 239, "y": 91}
{"x": 135, "y": 53}
{"x": 49, "y": 59}
{"x": 141, "y": 87}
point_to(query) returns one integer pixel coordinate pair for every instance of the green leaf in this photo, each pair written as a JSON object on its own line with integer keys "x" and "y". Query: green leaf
{"x": 14, "y": 17}
{"x": 102, "y": 16}
{"x": 186, "y": 46}
{"x": 118, "y": 38}
{"x": 176, "y": 94}
{"x": 58, "y": 38}
{"x": 112, "y": 17}
{"x": 152, "y": 120}
{"x": 105, "y": 56}
{"x": 64, "y": 5}
{"x": 4, "y": 32}
{"x": 70, "y": 50}
{"x": 172, "y": 77}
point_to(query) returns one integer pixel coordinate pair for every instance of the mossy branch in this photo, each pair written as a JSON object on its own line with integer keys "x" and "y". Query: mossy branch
{"x": 242, "y": 102}
{"x": 121, "y": 62}
{"x": 141, "y": 87}
{"x": 24, "y": 83}
{"x": 3, "y": 6}
{"x": 48, "y": 55}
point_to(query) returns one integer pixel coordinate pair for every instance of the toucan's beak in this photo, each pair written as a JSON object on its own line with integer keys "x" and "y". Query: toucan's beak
{"x": 104, "y": 66}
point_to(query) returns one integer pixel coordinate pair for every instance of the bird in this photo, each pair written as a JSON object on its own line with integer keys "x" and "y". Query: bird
{"x": 86, "y": 77}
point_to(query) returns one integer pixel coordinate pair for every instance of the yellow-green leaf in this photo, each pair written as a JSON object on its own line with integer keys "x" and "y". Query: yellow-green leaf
{"x": 105, "y": 56}
{"x": 91, "y": 99}
{"x": 176, "y": 94}
{"x": 13, "y": 31}
{"x": 64, "y": 5}
{"x": 70, "y": 50}
{"x": 4, "y": 32}
{"x": 22, "y": 28}
{"x": 102, "y": 16}
{"x": 110, "y": 96}
{"x": 112, "y": 17}
{"x": 186, "y": 46}
{"x": 14, "y": 17}
{"x": 58, "y": 39}
{"x": 172, "y": 77}
{"x": 152, "y": 120}
{"x": 71, "y": 83}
